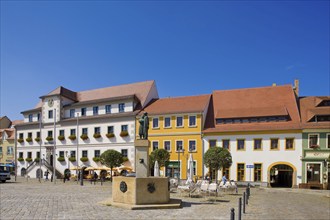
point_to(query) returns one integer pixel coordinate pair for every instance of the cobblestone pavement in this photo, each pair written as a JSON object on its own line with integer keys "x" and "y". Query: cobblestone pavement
{"x": 33, "y": 200}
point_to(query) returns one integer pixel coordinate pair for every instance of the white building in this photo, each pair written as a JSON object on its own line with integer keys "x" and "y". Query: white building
{"x": 80, "y": 124}
{"x": 261, "y": 129}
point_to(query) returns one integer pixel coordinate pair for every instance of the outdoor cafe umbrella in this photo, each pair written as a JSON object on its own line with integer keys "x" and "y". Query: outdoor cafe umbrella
{"x": 156, "y": 169}
{"x": 190, "y": 169}
{"x": 90, "y": 168}
{"x": 75, "y": 168}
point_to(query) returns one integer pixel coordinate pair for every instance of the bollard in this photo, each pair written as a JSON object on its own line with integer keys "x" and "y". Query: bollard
{"x": 232, "y": 214}
{"x": 239, "y": 208}
{"x": 247, "y": 194}
{"x": 244, "y": 202}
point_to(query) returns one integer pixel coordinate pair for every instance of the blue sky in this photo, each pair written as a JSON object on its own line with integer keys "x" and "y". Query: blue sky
{"x": 188, "y": 47}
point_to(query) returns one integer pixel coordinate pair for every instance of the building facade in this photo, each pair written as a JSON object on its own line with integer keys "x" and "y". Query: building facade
{"x": 315, "y": 116}
{"x": 176, "y": 125}
{"x": 261, "y": 129}
{"x": 7, "y": 143}
{"x": 69, "y": 128}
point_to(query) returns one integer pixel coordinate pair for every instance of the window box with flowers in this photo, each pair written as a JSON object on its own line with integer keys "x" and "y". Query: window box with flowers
{"x": 20, "y": 159}
{"x": 97, "y": 135}
{"x": 28, "y": 159}
{"x": 123, "y": 133}
{"x": 110, "y": 135}
{"x": 72, "y": 159}
{"x": 72, "y": 137}
{"x": 84, "y": 136}
{"x": 84, "y": 159}
{"x": 61, "y": 138}
{"x": 49, "y": 138}
{"x": 28, "y": 139}
{"x": 20, "y": 140}
{"x": 96, "y": 159}
{"x": 37, "y": 159}
{"x": 37, "y": 139}
{"x": 60, "y": 159}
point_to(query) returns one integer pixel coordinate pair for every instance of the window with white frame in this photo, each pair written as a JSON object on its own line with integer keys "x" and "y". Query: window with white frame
{"x": 155, "y": 123}
{"x": 97, "y": 130}
{"x": 73, "y": 153}
{"x": 121, "y": 107}
{"x": 97, "y": 153}
{"x": 20, "y": 155}
{"x": 84, "y": 153}
{"x": 108, "y": 109}
{"x": 61, "y": 133}
{"x": 192, "y": 145}
{"x": 167, "y": 122}
{"x": 124, "y": 152}
{"x": 179, "y": 121}
{"x": 313, "y": 140}
{"x": 21, "y": 135}
{"x": 10, "y": 150}
{"x": 38, "y": 116}
{"x": 72, "y": 113}
{"x": 30, "y": 135}
{"x": 155, "y": 145}
{"x": 61, "y": 153}
{"x": 29, "y": 154}
{"x": 50, "y": 134}
{"x": 0, "y": 151}
{"x": 124, "y": 128}
{"x": 50, "y": 114}
{"x": 110, "y": 130}
{"x": 167, "y": 145}
{"x": 73, "y": 132}
{"x": 85, "y": 131}
{"x": 192, "y": 120}
{"x": 38, "y": 134}
{"x": 179, "y": 146}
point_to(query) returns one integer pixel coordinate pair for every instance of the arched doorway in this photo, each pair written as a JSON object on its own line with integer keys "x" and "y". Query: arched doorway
{"x": 23, "y": 172}
{"x": 39, "y": 173}
{"x": 281, "y": 175}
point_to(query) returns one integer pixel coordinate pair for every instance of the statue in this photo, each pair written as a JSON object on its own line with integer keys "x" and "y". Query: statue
{"x": 144, "y": 126}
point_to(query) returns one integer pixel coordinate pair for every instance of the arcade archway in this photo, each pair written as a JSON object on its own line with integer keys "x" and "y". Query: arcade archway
{"x": 282, "y": 175}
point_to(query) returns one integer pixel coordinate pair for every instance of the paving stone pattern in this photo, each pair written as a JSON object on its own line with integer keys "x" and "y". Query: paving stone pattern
{"x": 33, "y": 200}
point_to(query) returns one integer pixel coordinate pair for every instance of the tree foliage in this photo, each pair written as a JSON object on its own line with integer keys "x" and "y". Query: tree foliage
{"x": 111, "y": 159}
{"x": 216, "y": 158}
{"x": 161, "y": 155}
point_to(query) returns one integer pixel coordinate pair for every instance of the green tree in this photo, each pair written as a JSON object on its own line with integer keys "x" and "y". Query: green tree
{"x": 216, "y": 158}
{"x": 111, "y": 159}
{"x": 161, "y": 155}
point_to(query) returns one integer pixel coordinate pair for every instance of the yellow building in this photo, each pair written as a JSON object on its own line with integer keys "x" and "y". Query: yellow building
{"x": 176, "y": 124}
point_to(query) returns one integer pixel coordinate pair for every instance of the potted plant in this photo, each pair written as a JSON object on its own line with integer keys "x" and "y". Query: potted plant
{"x": 97, "y": 135}
{"x": 49, "y": 138}
{"x": 72, "y": 137}
{"x": 60, "y": 159}
{"x": 96, "y": 159}
{"x": 28, "y": 139}
{"x": 314, "y": 146}
{"x": 84, "y": 159}
{"x": 84, "y": 136}
{"x": 20, "y": 140}
{"x": 72, "y": 159}
{"x": 37, "y": 159}
{"x": 37, "y": 139}
{"x": 28, "y": 159}
{"x": 61, "y": 137}
{"x": 123, "y": 133}
{"x": 20, "y": 159}
{"x": 110, "y": 135}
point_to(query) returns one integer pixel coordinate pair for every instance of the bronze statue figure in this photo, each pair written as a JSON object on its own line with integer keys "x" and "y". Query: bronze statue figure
{"x": 144, "y": 126}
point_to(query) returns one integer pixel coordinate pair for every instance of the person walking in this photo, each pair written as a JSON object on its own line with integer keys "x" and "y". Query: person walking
{"x": 46, "y": 175}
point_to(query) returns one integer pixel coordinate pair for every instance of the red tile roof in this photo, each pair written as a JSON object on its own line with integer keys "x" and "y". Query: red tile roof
{"x": 253, "y": 102}
{"x": 186, "y": 104}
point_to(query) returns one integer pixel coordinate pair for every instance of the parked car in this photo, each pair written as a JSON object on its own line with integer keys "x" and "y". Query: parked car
{"x": 4, "y": 173}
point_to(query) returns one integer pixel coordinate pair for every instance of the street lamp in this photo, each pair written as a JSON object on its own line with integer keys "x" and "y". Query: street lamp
{"x": 81, "y": 174}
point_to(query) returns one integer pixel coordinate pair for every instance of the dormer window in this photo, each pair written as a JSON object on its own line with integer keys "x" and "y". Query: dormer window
{"x": 121, "y": 107}
{"x": 83, "y": 111}
{"x": 108, "y": 109}
{"x": 72, "y": 113}
{"x": 95, "y": 110}
{"x": 30, "y": 117}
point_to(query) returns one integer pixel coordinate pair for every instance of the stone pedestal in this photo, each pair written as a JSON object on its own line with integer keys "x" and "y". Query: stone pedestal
{"x": 142, "y": 158}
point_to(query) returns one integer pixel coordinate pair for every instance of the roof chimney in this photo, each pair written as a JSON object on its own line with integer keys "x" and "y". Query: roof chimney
{"x": 296, "y": 87}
